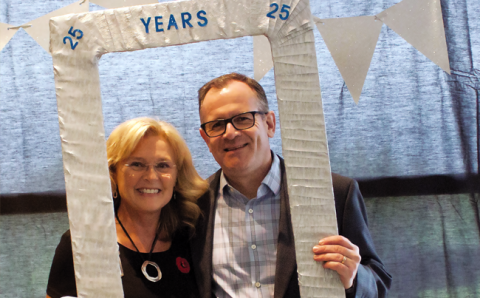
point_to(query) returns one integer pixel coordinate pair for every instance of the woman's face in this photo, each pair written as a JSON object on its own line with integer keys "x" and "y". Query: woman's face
{"x": 147, "y": 190}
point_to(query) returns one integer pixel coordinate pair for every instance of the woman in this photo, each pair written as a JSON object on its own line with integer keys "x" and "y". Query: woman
{"x": 155, "y": 187}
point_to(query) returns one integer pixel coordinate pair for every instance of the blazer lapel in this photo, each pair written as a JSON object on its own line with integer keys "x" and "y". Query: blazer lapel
{"x": 286, "y": 260}
{"x": 202, "y": 243}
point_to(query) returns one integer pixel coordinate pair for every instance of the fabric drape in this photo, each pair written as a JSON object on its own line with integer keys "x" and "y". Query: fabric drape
{"x": 412, "y": 141}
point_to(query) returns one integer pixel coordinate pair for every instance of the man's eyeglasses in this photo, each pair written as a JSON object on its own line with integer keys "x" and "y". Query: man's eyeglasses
{"x": 241, "y": 121}
{"x": 164, "y": 167}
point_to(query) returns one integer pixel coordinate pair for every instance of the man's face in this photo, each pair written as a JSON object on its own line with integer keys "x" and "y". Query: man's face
{"x": 238, "y": 152}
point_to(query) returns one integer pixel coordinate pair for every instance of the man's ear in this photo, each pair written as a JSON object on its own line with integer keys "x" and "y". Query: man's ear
{"x": 205, "y": 138}
{"x": 271, "y": 123}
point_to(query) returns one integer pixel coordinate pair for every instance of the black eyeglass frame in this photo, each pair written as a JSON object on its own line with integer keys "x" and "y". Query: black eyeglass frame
{"x": 229, "y": 120}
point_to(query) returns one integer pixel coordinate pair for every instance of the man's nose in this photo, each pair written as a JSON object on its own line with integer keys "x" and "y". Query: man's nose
{"x": 230, "y": 131}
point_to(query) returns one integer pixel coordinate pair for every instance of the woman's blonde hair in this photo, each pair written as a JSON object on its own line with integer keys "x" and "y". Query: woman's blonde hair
{"x": 183, "y": 211}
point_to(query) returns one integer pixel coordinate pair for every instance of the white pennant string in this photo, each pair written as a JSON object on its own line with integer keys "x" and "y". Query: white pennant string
{"x": 7, "y": 32}
{"x": 420, "y": 23}
{"x": 39, "y": 29}
{"x": 122, "y": 3}
{"x": 262, "y": 57}
{"x": 351, "y": 42}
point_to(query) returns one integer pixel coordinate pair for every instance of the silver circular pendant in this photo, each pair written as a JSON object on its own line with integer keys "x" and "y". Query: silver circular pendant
{"x": 144, "y": 270}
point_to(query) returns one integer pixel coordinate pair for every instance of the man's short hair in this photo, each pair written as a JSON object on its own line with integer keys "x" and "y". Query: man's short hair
{"x": 222, "y": 81}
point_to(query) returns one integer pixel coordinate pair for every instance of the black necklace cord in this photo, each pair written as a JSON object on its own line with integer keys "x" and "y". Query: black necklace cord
{"x": 133, "y": 243}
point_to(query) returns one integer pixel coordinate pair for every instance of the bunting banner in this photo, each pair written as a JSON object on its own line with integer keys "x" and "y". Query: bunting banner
{"x": 39, "y": 29}
{"x": 420, "y": 23}
{"x": 351, "y": 42}
{"x": 262, "y": 57}
{"x": 110, "y": 4}
{"x": 8, "y": 31}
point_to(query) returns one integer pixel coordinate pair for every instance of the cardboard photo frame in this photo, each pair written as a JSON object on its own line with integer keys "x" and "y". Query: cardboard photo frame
{"x": 77, "y": 43}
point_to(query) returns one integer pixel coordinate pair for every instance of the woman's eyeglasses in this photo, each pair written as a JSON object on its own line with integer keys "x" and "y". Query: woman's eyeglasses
{"x": 164, "y": 167}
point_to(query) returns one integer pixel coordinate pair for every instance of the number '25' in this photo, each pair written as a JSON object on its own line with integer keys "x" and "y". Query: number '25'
{"x": 73, "y": 33}
{"x": 284, "y": 12}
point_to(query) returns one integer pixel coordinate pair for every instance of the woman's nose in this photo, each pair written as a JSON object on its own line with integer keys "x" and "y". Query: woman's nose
{"x": 150, "y": 173}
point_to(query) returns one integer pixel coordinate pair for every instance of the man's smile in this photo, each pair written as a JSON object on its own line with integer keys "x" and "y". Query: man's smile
{"x": 235, "y": 148}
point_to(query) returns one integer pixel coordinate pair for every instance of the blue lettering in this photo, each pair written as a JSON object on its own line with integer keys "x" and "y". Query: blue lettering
{"x": 158, "y": 23}
{"x": 186, "y": 17}
{"x": 146, "y": 24}
{"x": 202, "y": 18}
{"x": 172, "y": 22}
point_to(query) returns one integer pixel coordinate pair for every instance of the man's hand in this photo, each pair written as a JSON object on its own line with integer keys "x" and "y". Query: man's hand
{"x": 339, "y": 254}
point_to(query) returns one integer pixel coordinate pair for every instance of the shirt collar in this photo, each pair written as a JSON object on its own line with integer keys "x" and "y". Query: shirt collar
{"x": 272, "y": 180}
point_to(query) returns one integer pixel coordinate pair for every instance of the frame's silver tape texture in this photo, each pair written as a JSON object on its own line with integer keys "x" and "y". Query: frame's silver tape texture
{"x": 77, "y": 43}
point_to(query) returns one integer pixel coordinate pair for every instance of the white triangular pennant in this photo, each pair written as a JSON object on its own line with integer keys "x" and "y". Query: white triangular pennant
{"x": 40, "y": 30}
{"x": 110, "y": 4}
{"x": 6, "y": 34}
{"x": 262, "y": 57}
{"x": 351, "y": 42}
{"x": 420, "y": 23}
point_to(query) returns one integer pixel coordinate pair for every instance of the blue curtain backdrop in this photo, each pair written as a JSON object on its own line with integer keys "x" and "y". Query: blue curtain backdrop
{"x": 412, "y": 141}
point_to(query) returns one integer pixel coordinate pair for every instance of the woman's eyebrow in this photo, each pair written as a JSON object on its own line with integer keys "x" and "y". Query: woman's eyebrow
{"x": 164, "y": 159}
{"x": 135, "y": 158}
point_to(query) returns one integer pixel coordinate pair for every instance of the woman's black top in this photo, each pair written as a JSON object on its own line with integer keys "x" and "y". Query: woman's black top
{"x": 178, "y": 279}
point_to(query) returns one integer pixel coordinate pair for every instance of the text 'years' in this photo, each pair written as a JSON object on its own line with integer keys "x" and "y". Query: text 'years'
{"x": 184, "y": 20}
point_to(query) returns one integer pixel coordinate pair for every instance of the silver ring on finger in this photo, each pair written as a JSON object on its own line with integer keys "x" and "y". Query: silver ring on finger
{"x": 344, "y": 259}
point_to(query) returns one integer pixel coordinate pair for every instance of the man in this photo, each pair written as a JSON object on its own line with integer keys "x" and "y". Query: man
{"x": 244, "y": 244}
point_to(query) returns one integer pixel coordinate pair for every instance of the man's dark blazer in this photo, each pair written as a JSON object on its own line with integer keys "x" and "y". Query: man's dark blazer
{"x": 372, "y": 278}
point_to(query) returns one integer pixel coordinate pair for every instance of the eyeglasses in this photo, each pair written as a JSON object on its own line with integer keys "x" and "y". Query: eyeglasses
{"x": 164, "y": 167}
{"x": 241, "y": 121}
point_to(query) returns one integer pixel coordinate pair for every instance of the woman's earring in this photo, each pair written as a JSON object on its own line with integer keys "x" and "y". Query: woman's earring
{"x": 174, "y": 195}
{"x": 115, "y": 194}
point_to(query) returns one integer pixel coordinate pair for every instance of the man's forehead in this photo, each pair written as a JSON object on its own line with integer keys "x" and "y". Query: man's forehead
{"x": 228, "y": 99}
{"x": 228, "y": 86}
{"x": 233, "y": 91}
{"x": 224, "y": 90}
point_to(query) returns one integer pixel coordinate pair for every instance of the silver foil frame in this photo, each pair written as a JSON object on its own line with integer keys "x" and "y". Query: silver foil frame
{"x": 77, "y": 43}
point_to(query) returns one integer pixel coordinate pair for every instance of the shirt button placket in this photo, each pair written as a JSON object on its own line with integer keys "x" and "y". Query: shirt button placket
{"x": 253, "y": 246}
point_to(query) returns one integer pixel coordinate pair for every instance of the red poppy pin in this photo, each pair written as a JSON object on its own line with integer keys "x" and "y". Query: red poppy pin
{"x": 183, "y": 265}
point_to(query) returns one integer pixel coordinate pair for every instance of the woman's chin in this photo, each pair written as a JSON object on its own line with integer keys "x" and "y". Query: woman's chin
{"x": 147, "y": 206}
